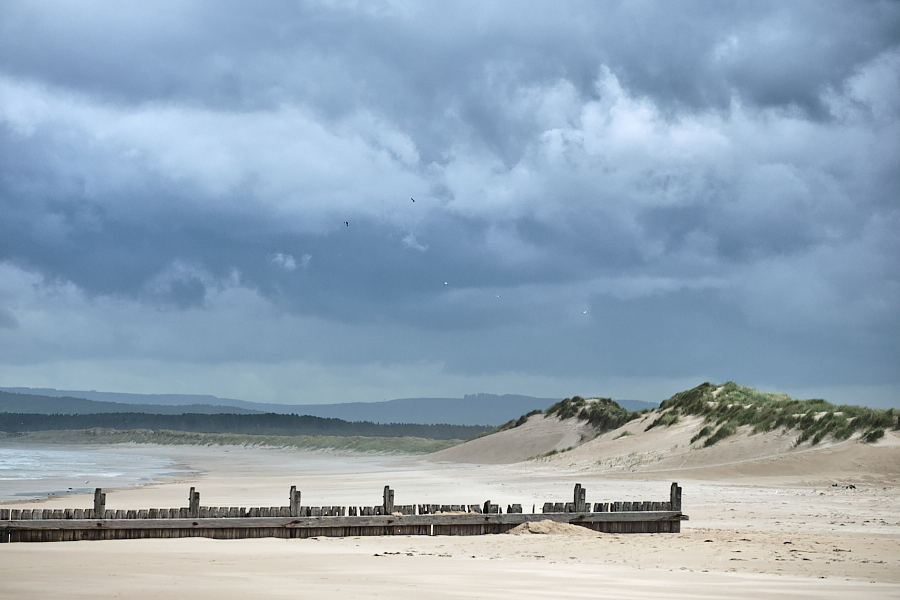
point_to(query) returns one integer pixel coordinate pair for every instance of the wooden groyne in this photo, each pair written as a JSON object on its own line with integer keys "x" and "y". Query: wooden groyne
{"x": 298, "y": 521}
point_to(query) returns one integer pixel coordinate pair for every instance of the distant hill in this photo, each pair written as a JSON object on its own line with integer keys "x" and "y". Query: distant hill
{"x": 473, "y": 409}
{"x": 47, "y": 405}
{"x": 148, "y": 399}
{"x": 476, "y": 409}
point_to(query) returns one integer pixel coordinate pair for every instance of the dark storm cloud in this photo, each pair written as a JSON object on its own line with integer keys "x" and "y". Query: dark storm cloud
{"x": 417, "y": 63}
{"x": 603, "y": 188}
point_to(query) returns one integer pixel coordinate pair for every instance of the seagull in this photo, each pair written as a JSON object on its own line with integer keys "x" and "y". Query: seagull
{"x": 584, "y": 312}
{"x": 445, "y": 283}
{"x": 413, "y": 199}
{"x": 498, "y": 295}
{"x": 347, "y": 223}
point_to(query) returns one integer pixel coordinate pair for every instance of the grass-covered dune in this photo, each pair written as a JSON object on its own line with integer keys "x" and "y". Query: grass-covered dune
{"x": 384, "y": 445}
{"x": 603, "y": 413}
{"x": 727, "y": 407}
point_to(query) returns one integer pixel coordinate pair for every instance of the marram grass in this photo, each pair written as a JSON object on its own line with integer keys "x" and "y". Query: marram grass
{"x": 727, "y": 407}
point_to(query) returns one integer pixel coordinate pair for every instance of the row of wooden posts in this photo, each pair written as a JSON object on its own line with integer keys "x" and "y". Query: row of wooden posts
{"x": 298, "y": 521}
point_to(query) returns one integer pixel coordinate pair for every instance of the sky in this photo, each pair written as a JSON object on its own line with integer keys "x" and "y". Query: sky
{"x": 316, "y": 202}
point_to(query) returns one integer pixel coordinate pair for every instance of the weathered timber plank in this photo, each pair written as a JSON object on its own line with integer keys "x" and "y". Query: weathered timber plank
{"x": 336, "y": 521}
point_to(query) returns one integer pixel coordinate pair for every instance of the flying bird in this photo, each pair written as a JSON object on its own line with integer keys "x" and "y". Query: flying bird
{"x": 413, "y": 199}
{"x": 445, "y": 283}
{"x": 347, "y": 223}
{"x": 584, "y": 312}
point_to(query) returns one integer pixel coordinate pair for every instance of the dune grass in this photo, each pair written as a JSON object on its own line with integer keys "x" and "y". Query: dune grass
{"x": 379, "y": 445}
{"x": 728, "y": 407}
{"x": 666, "y": 419}
{"x": 602, "y": 413}
{"x": 511, "y": 424}
{"x": 553, "y": 452}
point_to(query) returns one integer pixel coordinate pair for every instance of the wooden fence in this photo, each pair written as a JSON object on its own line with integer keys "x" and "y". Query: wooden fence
{"x": 298, "y": 521}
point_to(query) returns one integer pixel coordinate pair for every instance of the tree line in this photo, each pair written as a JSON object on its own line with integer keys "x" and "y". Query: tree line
{"x": 256, "y": 424}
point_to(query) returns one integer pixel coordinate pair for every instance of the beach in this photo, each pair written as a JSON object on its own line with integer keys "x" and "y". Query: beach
{"x": 782, "y": 537}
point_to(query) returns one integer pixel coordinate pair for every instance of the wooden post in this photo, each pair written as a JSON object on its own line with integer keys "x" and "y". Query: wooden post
{"x": 580, "y": 498}
{"x": 194, "y": 504}
{"x": 294, "y": 501}
{"x": 675, "y": 497}
{"x": 388, "y": 500}
{"x": 99, "y": 503}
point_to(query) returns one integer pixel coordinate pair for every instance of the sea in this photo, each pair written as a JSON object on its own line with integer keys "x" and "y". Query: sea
{"x": 28, "y": 473}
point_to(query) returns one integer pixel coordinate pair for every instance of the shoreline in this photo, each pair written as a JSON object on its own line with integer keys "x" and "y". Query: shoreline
{"x": 179, "y": 470}
{"x": 119, "y": 471}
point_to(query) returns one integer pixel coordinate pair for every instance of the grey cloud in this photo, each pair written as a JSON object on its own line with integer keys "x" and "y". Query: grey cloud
{"x": 285, "y": 261}
{"x": 738, "y": 156}
{"x": 7, "y": 319}
{"x": 698, "y": 52}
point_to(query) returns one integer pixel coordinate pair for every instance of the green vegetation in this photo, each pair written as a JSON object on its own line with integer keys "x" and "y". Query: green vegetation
{"x": 873, "y": 436}
{"x": 512, "y": 423}
{"x": 666, "y": 419}
{"x": 602, "y": 413}
{"x": 721, "y": 433}
{"x": 253, "y": 424}
{"x": 702, "y": 433}
{"x": 623, "y": 434}
{"x": 728, "y": 407}
{"x": 384, "y": 445}
{"x": 549, "y": 454}
{"x": 568, "y": 408}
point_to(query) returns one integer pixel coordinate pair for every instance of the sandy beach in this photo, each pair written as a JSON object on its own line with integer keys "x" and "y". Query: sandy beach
{"x": 777, "y": 537}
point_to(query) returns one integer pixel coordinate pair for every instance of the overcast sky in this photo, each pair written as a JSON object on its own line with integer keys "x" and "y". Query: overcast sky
{"x": 611, "y": 198}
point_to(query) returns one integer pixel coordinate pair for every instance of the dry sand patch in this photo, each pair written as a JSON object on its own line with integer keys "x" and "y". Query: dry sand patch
{"x": 498, "y": 566}
{"x": 538, "y": 436}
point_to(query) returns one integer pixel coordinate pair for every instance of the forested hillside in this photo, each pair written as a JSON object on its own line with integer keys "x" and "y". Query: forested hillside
{"x": 262, "y": 424}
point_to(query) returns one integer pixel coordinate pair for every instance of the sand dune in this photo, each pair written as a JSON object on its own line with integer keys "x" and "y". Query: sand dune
{"x": 633, "y": 450}
{"x": 537, "y": 437}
